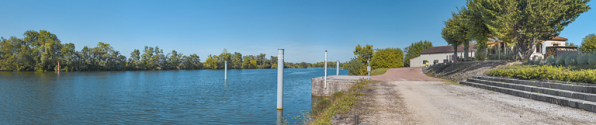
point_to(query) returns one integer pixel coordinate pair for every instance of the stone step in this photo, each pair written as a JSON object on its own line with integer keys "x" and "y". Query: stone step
{"x": 577, "y": 88}
{"x": 563, "y": 101}
{"x": 549, "y": 91}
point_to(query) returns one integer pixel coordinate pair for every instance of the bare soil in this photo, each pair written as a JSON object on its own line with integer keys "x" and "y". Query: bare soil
{"x": 406, "y": 96}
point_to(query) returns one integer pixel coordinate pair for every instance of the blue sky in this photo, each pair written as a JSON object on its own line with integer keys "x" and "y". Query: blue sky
{"x": 305, "y": 29}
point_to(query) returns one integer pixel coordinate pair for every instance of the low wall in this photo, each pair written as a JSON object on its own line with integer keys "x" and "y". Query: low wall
{"x": 334, "y": 85}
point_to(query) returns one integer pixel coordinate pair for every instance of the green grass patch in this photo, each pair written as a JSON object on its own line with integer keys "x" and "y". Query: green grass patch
{"x": 379, "y": 71}
{"x": 340, "y": 102}
{"x": 546, "y": 72}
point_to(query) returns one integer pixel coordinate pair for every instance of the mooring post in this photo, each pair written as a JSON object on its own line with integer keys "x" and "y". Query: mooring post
{"x": 280, "y": 78}
{"x": 226, "y": 70}
{"x": 325, "y": 77}
{"x": 337, "y": 68}
{"x": 280, "y": 117}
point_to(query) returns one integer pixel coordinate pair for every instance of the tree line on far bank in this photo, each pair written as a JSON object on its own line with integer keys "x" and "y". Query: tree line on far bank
{"x": 41, "y": 51}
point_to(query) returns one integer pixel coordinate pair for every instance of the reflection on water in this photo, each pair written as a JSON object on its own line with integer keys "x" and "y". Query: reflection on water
{"x": 150, "y": 97}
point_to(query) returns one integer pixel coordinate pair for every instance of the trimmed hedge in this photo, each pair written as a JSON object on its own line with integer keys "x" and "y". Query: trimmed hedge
{"x": 546, "y": 72}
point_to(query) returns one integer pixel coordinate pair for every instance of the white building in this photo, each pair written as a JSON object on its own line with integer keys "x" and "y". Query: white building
{"x": 541, "y": 48}
{"x": 440, "y": 54}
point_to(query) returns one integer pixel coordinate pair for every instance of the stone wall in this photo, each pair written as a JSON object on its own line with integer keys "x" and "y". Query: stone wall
{"x": 333, "y": 86}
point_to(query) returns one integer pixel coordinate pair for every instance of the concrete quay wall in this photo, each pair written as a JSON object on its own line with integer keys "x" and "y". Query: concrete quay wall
{"x": 334, "y": 84}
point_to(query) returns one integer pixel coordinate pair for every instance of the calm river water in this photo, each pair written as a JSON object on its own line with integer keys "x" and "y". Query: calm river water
{"x": 154, "y": 97}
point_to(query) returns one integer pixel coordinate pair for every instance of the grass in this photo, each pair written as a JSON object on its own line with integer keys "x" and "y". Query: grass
{"x": 379, "y": 71}
{"x": 340, "y": 102}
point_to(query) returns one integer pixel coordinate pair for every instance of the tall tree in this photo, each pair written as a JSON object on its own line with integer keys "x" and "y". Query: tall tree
{"x": 147, "y": 58}
{"x": 135, "y": 59}
{"x": 454, "y": 32}
{"x": 476, "y": 27}
{"x": 363, "y": 53}
{"x": 237, "y": 60}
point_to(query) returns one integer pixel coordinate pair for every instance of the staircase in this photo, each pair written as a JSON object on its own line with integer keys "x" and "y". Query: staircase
{"x": 575, "y": 96}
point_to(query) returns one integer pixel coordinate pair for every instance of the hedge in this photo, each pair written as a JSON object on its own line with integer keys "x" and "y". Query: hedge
{"x": 546, "y": 72}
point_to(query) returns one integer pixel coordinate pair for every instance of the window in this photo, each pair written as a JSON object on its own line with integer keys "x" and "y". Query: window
{"x": 538, "y": 48}
{"x": 424, "y": 62}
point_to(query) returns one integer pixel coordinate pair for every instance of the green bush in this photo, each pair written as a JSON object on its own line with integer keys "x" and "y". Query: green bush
{"x": 546, "y": 72}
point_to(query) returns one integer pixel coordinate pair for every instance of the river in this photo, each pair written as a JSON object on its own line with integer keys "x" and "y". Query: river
{"x": 155, "y": 97}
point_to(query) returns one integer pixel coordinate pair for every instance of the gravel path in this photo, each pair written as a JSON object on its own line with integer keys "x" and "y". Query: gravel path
{"x": 436, "y": 102}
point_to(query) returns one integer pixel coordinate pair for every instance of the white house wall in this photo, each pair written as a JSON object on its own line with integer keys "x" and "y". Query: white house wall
{"x": 547, "y": 43}
{"x": 417, "y": 62}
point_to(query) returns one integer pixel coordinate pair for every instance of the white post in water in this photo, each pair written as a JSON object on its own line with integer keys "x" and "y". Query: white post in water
{"x": 325, "y": 77}
{"x": 226, "y": 70}
{"x": 280, "y": 78}
{"x": 337, "y": 68}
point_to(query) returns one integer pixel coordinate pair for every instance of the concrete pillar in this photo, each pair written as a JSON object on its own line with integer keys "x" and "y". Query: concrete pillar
{"x": 280, "y": 116}
{"x": 226, "y": 70}
{"x": 337, "y": 72}
{"x": 280, "y": 78}
{"x": 325, "y": 77}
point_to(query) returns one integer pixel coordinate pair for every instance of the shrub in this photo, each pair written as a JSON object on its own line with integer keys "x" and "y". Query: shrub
{"x": 582, "y": 59}
{"x": 546, "y": 72}
{"x": 570, "y": 60}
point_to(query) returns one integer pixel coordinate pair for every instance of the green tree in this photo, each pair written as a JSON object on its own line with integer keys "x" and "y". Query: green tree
{"x": 175, "y": 60}
{"x": 414, "y": 50}
{"x": 589, "y": 44}
{"x": 211, "y": 62}
{"x": 46, "y": 48}
{"x": 454, "y": 33}
{"x": 223, "y": 57}
{"x": 476, "y": 27}
{"x": 354, "y": 66}
{"x": 527, "y": 22}
{"x": 249, "y": 62}
{"x": 273, "y": 62}
{"x": 135, "y": 59}
{"x": 364, "y": 54}
{"x": 147, "y": 58}
{"x": 387, "y": 58}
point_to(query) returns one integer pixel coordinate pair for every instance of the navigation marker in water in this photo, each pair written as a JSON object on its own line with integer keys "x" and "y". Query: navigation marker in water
{"x": 226, "y": 70}
{"x": 280, "y": 78}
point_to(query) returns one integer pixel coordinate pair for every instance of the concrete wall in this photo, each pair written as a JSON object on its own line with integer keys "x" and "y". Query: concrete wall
{"x": 333, "y": 86}
{"x": 417, "y": 62}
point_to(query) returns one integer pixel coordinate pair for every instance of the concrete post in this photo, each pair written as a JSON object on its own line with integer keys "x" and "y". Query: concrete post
{"x": 325, "y": 77}
{"x": 280, "y": 115}
{"x": 337, "y": 72}
{"x": 226, "y": 70}
{"x": 280, "y": 78}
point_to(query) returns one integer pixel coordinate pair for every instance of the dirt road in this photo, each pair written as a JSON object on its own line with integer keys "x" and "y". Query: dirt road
{"x": 405, "y": 97}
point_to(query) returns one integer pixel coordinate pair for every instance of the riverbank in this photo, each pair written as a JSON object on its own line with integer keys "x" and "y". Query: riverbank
{"x": 325, "y": 111}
